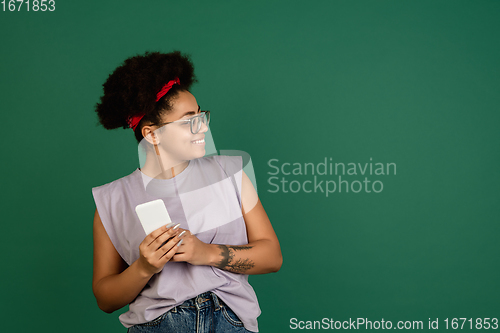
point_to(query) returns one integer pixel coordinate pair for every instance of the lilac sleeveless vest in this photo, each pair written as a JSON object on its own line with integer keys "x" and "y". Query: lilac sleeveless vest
{"x": 205, "y": 199}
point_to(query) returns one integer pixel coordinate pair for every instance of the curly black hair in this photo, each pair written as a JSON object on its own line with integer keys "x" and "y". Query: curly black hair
{"x": 131, "y": 89}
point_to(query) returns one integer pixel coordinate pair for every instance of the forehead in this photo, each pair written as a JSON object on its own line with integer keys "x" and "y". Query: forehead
{"x": 185, "y": 101}
{"x": 184, "y": 105}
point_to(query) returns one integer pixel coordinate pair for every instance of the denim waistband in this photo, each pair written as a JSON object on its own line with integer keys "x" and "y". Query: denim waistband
{"x": 203, "y": 300}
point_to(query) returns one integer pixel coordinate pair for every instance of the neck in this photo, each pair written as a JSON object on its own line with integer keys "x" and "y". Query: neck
{"x": 162, "y": 167}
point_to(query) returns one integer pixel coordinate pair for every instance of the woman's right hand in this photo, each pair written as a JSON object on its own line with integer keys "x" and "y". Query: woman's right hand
{"x": 154, "y": 255}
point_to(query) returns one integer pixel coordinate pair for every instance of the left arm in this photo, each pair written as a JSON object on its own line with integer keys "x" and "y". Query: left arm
{"x": 261, "y": 255}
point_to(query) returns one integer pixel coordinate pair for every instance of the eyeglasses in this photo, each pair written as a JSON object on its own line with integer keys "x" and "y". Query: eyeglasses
{"x": 195, "y": 122}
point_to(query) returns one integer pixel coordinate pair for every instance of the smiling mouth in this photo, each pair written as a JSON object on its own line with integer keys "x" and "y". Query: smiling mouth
{"x": 198, "y": 142}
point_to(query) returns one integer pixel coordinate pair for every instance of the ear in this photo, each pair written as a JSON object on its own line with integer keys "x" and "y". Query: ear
{"x": 149, "y": 135}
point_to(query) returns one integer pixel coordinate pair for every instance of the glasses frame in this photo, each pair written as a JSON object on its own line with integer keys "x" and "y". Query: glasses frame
{"x": 202, "y": 114}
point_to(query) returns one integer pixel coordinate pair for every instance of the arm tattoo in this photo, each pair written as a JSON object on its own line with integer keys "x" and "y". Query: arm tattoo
{"x": 225, "y": 257}
{"x": 227, "y": 263}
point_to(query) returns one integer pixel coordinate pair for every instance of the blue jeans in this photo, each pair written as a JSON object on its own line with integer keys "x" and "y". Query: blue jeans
{"x": 203, "y": 314}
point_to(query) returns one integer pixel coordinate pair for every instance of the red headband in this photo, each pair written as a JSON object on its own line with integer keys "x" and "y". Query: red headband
{"x": 134, "y": 120}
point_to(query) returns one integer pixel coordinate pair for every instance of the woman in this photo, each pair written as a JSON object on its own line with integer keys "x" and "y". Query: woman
{"x": 190, "y": 275}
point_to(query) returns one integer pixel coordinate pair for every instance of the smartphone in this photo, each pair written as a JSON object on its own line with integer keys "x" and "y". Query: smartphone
{"x": 152, "y": 214}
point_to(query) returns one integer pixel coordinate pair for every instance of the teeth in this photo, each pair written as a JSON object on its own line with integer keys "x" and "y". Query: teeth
{"x": 199, "y": 141}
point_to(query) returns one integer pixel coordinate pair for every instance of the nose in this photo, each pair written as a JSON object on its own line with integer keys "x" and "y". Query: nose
{"x": 203, "y": 127}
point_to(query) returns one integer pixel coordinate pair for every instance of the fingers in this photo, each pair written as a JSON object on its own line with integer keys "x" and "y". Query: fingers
{"x": 157, "y": 239}
{"x": 171, "y": 247}
{"x": 162, "y": 240}
{"x": 178, "y": 257}
{"x": 164, "y": 232}
{"x": 166, "y": 241}
{"x": 158, "y": 247}
{"x": 168, "y": 250}
{"x": 180, "y": 235}
{"x": 183, "y": 239}
{"x": 191, "y": 250}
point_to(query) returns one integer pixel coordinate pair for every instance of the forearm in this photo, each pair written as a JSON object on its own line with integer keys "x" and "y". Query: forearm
{"x": 115, "y": 291}
{"x": 258, "y": 257}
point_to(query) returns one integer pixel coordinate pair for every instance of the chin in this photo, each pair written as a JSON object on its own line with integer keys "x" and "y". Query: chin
{"x": 201, "y": 154}
{"x": 198, "y": 155}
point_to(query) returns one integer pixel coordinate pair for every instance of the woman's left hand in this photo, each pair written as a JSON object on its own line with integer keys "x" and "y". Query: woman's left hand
{"x": 192, "y": 250}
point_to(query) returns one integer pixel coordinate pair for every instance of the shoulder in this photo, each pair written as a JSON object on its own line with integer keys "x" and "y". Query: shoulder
{"x": 115, "y": 186}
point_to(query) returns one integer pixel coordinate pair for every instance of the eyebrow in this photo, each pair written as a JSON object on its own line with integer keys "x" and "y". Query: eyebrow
{"x": 189, "y": 113}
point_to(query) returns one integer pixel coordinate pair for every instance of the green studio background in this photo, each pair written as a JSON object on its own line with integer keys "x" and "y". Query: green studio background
{"x": 414, "y": 83}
